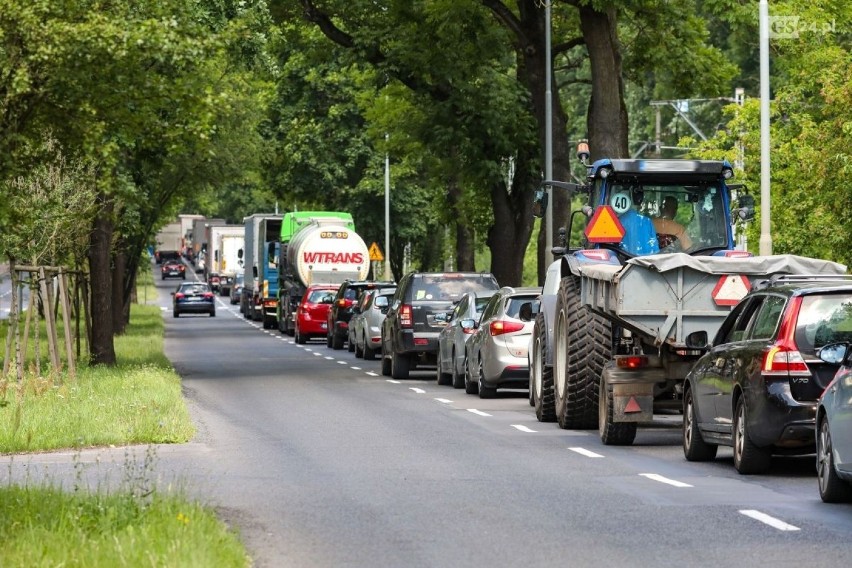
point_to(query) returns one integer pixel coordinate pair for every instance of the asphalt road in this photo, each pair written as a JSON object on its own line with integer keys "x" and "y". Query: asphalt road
{"x": 322, "y": 461}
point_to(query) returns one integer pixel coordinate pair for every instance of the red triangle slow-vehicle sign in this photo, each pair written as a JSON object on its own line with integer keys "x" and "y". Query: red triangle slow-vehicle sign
{"x": 730, "y": 289}
{"x": 604, "y": 227}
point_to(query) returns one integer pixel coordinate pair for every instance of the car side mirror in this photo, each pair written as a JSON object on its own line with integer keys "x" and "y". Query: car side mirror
{"x": 697, "y": 340}
{"x": 833, "y": 353}
{"x": 745, "y": 208}
{"x": 469, "y": 324}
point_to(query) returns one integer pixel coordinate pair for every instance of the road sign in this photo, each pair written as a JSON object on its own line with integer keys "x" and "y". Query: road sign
{"x": 376, "y": 252}
{"x": 604, "y": 227}
{"x": 730, "y": 289}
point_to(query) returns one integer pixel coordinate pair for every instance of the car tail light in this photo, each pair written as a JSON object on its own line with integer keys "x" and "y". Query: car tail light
{"x": 341, "y": 303}
{"x": 208, "y": 294}
{"x": 182, "y": 267}
{"x": 499, "y": 327}
{"x": 782, "y": 358}
{"x": 179, "y": 296}
{"x": 270, "y": 303}
{"x": 469, "y": 330}
{"x": 631, "y": 361}
{"x": 405, "y": 316}
{"x": 783, "y": 361}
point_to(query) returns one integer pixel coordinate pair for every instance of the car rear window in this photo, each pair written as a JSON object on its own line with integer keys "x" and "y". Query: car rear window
{"x": 442, "y": 287}
{"x": 513, "y": 305}
{"x": 824, "y": 319}
{"x": 316, "y": 296}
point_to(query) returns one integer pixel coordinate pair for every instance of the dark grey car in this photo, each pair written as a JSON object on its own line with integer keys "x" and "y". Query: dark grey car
{"x": 410, "y": 330}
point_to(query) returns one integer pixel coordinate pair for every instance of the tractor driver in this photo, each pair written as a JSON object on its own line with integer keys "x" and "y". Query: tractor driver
{"x": 670, "y": 234}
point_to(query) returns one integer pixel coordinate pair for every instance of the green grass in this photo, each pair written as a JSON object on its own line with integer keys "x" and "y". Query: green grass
{"x": 138, "y": 401}
{"x": 47, "y": 526}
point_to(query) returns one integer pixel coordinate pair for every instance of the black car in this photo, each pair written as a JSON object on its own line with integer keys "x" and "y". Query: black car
{"x": 757, "y": 387}
{"x": 340, "y": 312}
{"x": 193, "y": 298}
{"x": 410, "y": 330}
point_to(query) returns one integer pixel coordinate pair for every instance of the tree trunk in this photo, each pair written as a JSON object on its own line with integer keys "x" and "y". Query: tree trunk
{"x": 532, "y": 60}
{"x": 102, "y": 348}
{"x": 464, "y": 232}
{"x": 513, "y": 221}
{"x": 607, "y": 118}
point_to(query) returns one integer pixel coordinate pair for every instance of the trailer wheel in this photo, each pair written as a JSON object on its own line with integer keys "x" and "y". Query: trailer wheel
{"x": 694, "y": 447}
{"x": 748, "y": 458}
{"x": 541, "y": 376}
{"x": 612, "y": 433}
{"x": 582, "y": 346}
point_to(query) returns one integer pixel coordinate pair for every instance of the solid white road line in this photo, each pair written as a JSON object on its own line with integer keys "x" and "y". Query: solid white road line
{"x": 444, "y": 400}
{"x": 771, "y": 521}
{"x": 417, "y": 390}
{"x": 475, "y": 411}
{"x": 523, "y": 428}
{"x": 585, "y": 452}
{"x": 666, "y": 480}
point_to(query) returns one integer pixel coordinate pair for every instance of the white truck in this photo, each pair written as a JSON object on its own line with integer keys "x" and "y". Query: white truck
{"x": 224, "y": 246}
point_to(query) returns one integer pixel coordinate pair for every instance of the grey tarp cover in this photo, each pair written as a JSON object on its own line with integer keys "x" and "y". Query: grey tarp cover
{"x": 767, "y": 265}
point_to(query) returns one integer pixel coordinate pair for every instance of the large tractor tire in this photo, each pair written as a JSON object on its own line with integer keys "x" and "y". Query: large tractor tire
{"x": 582, "y": 346}
{"x": 541, "y": 376}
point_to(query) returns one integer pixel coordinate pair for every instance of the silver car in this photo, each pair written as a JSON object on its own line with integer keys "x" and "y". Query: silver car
{"x": 452, "y": 339}
{"x": 496, "y": 353}
{"x": 365, "y": 327}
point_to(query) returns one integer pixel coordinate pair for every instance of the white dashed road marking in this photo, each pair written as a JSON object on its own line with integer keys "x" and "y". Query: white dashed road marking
{"x": 444, "y": 400}
{"x": 389, "y": 380}
{"x": 479, "y": 412}
{"x": 661, "y": 479}
{"x": 417, "y": 390}
{"x": 585, "y": 452}
{"x": 771, "y": 521}
{"x": 523, "y": 428}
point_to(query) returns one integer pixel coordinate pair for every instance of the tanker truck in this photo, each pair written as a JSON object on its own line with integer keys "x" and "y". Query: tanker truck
{"x": 316, "y": 247}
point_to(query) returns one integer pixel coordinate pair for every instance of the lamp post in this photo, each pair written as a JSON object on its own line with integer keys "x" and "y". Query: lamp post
{"x": 765, "y": 228}
{"x": 548, "y": 134}
{"x": 387, "y": 212}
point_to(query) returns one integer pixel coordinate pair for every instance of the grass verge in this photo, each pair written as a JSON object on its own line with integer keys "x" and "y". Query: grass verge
{"x": 138, "y": 401}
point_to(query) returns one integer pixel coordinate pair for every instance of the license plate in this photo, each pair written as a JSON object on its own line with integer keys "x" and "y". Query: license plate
{"x": 173, "y": 273}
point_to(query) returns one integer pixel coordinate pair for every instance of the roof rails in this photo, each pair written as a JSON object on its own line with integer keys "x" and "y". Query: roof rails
{"x": 777, "y": 279}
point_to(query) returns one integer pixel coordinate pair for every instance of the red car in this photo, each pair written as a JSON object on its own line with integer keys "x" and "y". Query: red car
{"x": 173, "y": 269}
{"x": 312, "y": 313}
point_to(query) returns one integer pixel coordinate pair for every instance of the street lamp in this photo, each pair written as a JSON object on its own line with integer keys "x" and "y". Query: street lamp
{"x": 548, "y": 135}
{"x": 765, "y": 229}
